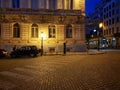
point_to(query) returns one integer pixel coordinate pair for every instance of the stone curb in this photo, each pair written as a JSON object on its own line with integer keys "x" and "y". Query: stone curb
{"x": 77, "y": 53}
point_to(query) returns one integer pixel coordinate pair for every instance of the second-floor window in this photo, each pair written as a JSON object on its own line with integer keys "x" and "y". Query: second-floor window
{"x": 51, "y": 31}
{"x": 68, "y": 31}
{"x": 34, "y": 31}
{"x": 16, "y": 30}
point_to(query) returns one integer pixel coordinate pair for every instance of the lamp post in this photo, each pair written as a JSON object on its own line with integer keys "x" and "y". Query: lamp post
{"x": 42, "y": 37}
{"x": 64, "y": 48}
{"x": 98, "y": 38}
{"x": 99, "y": 34}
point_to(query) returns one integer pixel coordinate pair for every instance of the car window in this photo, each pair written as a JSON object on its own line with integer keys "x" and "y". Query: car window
{"x": 27, "y": 48}
{"x": 22, "y": 48}
{"x": 33, "y": 48}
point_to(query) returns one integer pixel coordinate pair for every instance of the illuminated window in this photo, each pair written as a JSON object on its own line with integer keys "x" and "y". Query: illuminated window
{"x": 68, "y": 31}
{"x": 16, "y": 30}
{"x": 34, "y": 31}
{"x": 52, "y": 31}
{"x": 15, "y": 3}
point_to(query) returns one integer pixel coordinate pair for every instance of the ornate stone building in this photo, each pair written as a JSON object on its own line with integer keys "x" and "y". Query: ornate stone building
{"x": 23, "y": 21}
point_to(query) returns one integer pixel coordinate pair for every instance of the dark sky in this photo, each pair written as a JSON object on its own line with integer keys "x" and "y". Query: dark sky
{"x": 90, "y": 5}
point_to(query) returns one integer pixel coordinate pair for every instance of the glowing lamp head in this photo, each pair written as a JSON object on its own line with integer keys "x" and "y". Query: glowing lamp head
{"x": 43, "y": 35}
{"x": 100, "y": 25}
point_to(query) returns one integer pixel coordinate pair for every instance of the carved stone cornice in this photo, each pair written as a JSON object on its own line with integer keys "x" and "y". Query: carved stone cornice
{"x": 2, "y": 18}
{"x": 35, "y": 18}
{"x": 61, "y": 19}
{"x": 39, "y": 11}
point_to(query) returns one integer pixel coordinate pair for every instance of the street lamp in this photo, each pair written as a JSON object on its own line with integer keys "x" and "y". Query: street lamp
{"x": 100, "y": 25}
{"x": 43, "y": 35}
{"x": 99, "y": 34}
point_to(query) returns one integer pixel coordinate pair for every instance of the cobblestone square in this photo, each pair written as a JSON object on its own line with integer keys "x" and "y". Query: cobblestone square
{"x": 70, "y": 72}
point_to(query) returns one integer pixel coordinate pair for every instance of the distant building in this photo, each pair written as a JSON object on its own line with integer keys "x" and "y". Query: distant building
{"x": 111, "y": 21}
{"x": 23, "y": 21}
{"x": 106, "y": 12}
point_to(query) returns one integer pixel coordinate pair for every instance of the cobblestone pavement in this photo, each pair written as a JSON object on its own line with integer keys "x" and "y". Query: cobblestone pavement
{"x": 71, "y": 72}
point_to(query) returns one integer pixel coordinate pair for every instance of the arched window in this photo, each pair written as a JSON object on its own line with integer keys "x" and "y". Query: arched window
{"x": 16, "y": 3}
{"x": 68, "y": 31}
{"x": 51, "y": 31}
{"x": 34, "y": 31}
{"x": 16, "y": 30}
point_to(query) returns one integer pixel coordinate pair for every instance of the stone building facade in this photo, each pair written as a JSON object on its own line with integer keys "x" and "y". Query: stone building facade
{"x": 23, "y": 21}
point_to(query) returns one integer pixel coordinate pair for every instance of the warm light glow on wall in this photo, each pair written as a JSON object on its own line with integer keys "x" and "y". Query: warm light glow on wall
{"x": 79, "y": 4}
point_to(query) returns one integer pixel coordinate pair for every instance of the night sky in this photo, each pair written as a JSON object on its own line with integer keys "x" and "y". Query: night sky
{"x": 90, "y": 5}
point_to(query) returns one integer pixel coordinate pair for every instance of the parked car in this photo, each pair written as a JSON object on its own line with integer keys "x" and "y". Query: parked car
{"x": 3, "y": 53}
{"x": 31, "y": 51}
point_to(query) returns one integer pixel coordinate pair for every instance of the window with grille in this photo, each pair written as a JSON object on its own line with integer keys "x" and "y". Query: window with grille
{"x": 16, "y": 30}
{"x": 34, "y": 31}
{"x": 51, "y": 31}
